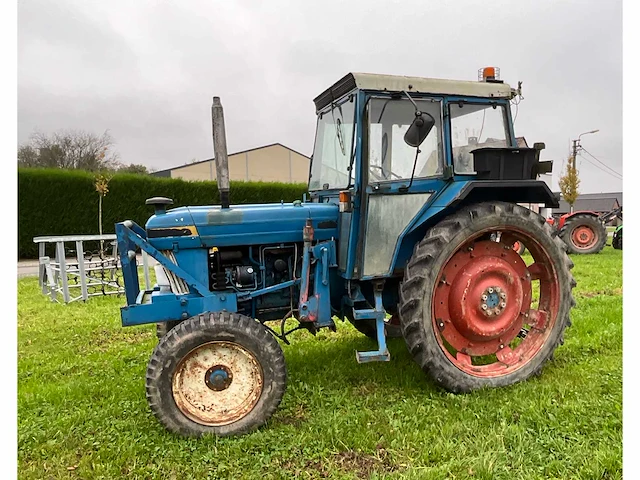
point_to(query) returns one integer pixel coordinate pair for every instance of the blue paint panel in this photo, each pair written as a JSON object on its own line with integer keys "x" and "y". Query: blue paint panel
{"x": 357, "y": 207}
{"x": 196, "y": 262}
{"x": 170, "y": 307}
{"x": 261, "y": 224}
{"x": 129, "y": 267}
{"x": 130, "y": 240}
{"x": 317, "y": 307}
{"x": 176, "y": 217}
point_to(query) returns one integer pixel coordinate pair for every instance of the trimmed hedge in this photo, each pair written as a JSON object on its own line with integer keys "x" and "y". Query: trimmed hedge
{"x": 65, "y": 202}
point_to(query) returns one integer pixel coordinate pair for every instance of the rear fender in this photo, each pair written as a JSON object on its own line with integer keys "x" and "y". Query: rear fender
{"x": 563, "y": 219}
{"x": 459, "y": 194}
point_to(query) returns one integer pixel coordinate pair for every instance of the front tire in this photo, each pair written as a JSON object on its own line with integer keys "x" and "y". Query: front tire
{"x": 217, "y": 373}
{"x": 466, "y": 308}
{"x": 162, "y": 328}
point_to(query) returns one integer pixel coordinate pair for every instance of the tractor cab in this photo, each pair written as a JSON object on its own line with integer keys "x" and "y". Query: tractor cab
{"x": 363, "y": 120}
{"x": 388, "y": 147}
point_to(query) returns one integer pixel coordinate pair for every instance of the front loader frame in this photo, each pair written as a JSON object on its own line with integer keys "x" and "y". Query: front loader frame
{"x": 154, "y": 306}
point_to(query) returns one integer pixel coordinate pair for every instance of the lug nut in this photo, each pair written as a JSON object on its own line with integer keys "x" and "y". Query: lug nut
{"x": 484, "y": 297}
{"x": 497, "y": 289}
{"x": 489, "y": 312}
{"x": 484, "y": 306}
{"x": 503, "y": 295}
{"x": 490, "y": 290}
{"x": 503, "y": 304}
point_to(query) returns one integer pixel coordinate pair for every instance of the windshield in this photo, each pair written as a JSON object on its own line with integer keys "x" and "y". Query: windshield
{"x": 475, "y": 126}
{"x": 390, "y": 158}
{"x": 333, "y": 147}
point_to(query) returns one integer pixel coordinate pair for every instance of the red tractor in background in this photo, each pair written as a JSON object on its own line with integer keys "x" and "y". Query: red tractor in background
{"x": 584, "y": 232}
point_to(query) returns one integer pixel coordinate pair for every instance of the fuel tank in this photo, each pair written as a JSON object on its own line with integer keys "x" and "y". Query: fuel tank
{"x": 209, "y": 226}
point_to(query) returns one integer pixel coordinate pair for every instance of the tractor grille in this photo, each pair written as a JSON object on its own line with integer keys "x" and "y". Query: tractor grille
{"x": 177, "y": 284}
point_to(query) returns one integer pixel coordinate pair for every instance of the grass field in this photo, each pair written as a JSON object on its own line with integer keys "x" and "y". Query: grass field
{"x": 82, "y": 412}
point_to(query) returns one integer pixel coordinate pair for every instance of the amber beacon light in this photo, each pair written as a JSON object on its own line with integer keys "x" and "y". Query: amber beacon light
{"x": 489, "y": 74}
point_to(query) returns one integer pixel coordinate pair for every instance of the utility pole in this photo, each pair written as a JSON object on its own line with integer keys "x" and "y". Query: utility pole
{"x": 570, "y": 182}
{"x": 574, "y": 154}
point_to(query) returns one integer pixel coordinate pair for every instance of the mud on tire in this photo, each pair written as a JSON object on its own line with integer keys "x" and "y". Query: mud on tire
{"x": 453, "y": 236}
{"x": 163, "y": 328}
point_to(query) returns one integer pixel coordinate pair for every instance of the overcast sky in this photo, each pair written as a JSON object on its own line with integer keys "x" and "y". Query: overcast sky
{"x": 146, "y": 70}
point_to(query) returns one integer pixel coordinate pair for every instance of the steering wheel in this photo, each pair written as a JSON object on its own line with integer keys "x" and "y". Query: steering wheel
{"x": 381, "y": 178}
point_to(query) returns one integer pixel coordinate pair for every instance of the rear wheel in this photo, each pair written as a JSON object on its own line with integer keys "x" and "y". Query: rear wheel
{"x": 472, "y": 312}
{"x": 519, "y": 247}
{"x": 584, "y": 234}
{"x": 217, "y": 373}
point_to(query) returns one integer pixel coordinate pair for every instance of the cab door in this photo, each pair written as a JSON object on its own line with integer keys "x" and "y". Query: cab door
{"x": 398, "y": 180}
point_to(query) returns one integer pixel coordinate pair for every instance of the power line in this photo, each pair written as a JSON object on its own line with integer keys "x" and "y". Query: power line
{"x": 599, "y": 161}
{"x": 614, "y": 174}
{"x": 617, "y": 175}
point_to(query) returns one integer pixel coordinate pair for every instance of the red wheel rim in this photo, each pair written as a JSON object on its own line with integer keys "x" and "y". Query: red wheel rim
{"x": 483, "y": 315}
{"x": 583, "y": 236}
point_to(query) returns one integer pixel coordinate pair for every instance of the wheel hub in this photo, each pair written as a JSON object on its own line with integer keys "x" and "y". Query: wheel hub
{"x": 493, "y": 301}
{"x": 218, "y": 378}
{"x": 479, "y": 305}
{"x": 583, "y": 236}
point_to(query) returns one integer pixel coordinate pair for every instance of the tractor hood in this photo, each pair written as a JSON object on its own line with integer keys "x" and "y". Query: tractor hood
{"x": 241, "y": 224}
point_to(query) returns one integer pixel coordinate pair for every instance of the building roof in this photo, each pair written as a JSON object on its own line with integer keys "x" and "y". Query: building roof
{"x": 165, "y": 172}
{"x": 595, "y": 202}
{"x": 397, "y": 83}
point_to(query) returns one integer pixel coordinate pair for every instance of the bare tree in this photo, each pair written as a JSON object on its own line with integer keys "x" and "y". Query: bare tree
{"x": 70, "y": 149}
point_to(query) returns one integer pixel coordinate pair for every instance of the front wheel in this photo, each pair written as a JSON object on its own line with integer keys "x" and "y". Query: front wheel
{"x": 163, "y": 328}
{"x": 217, "y": 373}
{"x": 472, "y": 312}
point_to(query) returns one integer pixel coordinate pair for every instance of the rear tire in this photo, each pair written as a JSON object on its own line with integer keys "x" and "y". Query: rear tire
{"x": 457, "y": 262}
{"x": 217, "y": 373}
{"x": 584, "y": 234}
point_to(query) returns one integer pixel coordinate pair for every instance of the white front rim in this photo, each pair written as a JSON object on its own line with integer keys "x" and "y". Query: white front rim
{"x": 217, "y": 383}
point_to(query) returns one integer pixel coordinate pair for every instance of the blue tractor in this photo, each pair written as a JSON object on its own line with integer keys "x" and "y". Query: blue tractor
{"x": 409, "y": 230}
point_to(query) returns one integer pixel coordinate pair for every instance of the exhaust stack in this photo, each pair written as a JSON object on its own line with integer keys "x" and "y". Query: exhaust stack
{"x": 220, "y": 151}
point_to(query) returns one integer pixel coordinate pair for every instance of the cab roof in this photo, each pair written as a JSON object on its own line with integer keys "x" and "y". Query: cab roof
{"x": 397, "y": 83}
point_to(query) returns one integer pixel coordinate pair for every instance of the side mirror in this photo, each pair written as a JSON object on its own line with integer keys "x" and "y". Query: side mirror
{"x": 419, "y": 129}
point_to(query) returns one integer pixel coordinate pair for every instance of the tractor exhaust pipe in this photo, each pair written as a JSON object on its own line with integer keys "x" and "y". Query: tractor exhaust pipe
{"x": 220, "y": 151}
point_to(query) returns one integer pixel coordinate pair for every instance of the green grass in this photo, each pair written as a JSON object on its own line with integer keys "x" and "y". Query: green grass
{"x": 82, "y": 411}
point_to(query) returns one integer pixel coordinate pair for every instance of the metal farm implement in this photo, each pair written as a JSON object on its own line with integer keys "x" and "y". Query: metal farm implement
{"x": 409, "y": 231}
